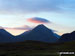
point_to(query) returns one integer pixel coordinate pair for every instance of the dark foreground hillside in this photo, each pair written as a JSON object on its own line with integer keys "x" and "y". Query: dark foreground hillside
{"x": 35, "y": 48}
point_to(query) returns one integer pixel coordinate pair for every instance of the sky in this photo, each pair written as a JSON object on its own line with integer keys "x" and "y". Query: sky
{"x": 18, "y": 16}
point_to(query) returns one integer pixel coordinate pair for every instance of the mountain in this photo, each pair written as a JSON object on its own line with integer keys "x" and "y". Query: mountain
{"x": 39, "y": 33}
{"x": 5, "y": 36}
{"x": 67, "y": 37}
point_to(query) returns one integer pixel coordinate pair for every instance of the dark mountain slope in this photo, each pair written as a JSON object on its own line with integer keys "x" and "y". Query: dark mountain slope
{"x": 40, "y": 33}
{"x": 5, "y": 36}
{"x": 67, "y": 37}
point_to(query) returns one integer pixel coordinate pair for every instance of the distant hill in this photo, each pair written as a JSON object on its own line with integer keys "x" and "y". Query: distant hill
{"x": 67, "y": 37}
{"x": 40, "y": 33}
{"x": 5, "y": 36}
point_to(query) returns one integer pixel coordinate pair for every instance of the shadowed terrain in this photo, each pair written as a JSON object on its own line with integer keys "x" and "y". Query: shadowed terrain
{"x": 35, "y": 48}
{"x": 39, "y": 41}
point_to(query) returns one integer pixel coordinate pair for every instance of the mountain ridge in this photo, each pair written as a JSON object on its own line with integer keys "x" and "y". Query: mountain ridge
{"x": 5, "y": 36}
{"x": 40, "y": 33}
{"x": 67, "y": 37}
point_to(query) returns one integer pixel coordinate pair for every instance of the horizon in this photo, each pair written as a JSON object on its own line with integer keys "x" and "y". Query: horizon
{"x": 25, "y": 30}
{"x": 18, "y": 16}
{"x": 19, "y": 33}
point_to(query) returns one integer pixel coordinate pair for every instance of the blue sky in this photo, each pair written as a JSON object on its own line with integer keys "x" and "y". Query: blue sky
{"x": 61, "y": 13}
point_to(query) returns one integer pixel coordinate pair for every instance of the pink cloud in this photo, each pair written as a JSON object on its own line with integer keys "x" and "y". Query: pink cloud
{"x": 25, "y": 27}
{"x": 38, "y": 20}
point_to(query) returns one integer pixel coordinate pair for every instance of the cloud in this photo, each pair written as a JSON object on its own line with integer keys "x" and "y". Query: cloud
{"x": 28, "y": 6}
{"x": 1, "y": 27}
{"x": 38, "y": 20}
{"x": 25, "y": 27}
{"x": 32, "y": 6}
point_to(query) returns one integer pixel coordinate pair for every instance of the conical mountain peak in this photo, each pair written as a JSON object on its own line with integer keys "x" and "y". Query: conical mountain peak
{"x": 39, "y": 33}
{"x": 41, "y": 27}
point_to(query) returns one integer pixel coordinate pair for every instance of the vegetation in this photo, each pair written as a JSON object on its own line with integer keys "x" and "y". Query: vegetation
{"x": 35, "y": 48}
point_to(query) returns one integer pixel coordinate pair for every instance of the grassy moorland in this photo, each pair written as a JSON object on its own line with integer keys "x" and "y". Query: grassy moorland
{"x": 35, "y": 48}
